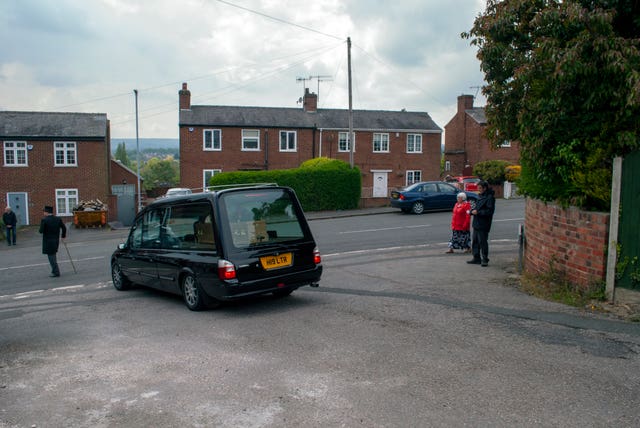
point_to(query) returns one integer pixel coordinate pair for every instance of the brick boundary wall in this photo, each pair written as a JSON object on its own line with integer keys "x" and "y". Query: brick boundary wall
{"x": 573, "y": 241}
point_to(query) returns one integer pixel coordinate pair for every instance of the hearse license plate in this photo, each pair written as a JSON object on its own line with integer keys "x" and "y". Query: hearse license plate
{"x": 275, "y": 262}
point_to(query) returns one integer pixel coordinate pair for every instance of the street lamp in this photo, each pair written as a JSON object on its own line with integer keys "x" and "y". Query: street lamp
{"x": 135, "y": 91}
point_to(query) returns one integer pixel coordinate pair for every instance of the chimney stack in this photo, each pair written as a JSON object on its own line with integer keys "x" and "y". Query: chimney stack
{"x": 184, "y": 96}
{"x": 310, "y": 101}
{"x": 465, "y": 102}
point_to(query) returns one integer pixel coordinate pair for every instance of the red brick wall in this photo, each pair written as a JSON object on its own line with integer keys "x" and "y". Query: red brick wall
{"x": 40, "y": 178}
{"x": 574, "y": 242}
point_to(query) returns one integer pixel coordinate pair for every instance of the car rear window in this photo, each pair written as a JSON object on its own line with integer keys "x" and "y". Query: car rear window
{"x": 261, "y": 217}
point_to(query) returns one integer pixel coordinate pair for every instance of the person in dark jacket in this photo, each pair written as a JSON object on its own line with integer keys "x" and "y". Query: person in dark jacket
{"x": 51, "y": 227}
{"x": 482, "y": 218}
{"x": 10, "y": 221}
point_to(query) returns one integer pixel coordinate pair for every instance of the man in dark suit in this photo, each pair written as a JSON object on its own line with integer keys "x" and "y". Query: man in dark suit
{"x": 50, "y": 227}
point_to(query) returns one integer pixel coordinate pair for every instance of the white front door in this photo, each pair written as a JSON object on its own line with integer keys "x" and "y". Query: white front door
{"x": 380, "y": 189}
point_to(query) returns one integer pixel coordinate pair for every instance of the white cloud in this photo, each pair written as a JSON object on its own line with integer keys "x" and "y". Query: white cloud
{"x": 75, "y": 55}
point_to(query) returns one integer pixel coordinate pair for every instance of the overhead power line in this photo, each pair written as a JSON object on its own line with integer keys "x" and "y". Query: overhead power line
{"x": 280, "y": 20}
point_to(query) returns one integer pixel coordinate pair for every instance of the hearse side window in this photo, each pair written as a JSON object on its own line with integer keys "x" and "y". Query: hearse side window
{"x": 261, "y": 217}
{"x": 189, "y": 227}
{"x": 146, "y": 231}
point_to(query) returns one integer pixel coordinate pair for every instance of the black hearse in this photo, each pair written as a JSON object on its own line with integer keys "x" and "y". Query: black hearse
{"x": 220, "y": 245}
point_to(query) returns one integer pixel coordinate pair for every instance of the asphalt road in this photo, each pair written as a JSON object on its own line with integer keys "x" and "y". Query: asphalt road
{"x": 399, "y": 334}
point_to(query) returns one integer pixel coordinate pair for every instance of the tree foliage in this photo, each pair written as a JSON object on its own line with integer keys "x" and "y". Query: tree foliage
{"x": 563, "y": 78}
{"x": 160, "y": 172}
{"x": 121, "y": 155}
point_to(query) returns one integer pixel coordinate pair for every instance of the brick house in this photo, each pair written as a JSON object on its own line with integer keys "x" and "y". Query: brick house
{"x": 53, "y": 159}
{"x": 391, "y": 148}
{"x": 466, "y": 144}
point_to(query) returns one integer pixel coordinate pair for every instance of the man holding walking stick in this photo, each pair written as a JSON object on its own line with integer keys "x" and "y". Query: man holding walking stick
{"x": 51, "y": 227}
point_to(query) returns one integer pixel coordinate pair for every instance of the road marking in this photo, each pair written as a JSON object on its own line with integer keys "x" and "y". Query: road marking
{"x": 406, "y": 247}
{"x": 27, "y": 294}
{"x": 385, "y": 228}
{"x": 47, "y": 264}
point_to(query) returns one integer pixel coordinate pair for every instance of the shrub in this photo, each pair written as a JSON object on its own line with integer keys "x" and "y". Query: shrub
{"x": 320, "y": 183}
{"x": 512, "y": 172}
{"x": 492, "y": 171}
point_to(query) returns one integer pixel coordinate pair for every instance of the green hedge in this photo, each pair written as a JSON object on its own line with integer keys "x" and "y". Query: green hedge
{"x": 320, "y": 183}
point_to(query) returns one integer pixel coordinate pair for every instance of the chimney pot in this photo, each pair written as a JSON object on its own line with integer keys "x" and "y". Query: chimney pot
{"x": 184, "y": 98}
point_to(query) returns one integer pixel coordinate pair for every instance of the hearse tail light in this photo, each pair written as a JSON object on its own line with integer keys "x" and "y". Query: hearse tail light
{"x": 226, "y": 269}
{"x": 316, "y": 256}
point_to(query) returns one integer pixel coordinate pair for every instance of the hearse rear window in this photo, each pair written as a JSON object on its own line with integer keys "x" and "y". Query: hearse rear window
{"x": 261, "y": 217}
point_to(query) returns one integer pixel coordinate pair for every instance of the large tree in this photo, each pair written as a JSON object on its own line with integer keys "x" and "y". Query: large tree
{"x": 563, "y": 78}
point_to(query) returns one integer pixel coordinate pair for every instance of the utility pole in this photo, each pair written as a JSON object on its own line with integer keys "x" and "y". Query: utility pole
{"x": 135, "y": 91}
{"x": 350, "y": 104}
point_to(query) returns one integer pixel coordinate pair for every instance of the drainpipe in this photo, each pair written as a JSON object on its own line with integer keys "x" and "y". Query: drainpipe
{"x": 313, "y": 144}
{"x": 266, "y": 149}
{"x": 320, "y": 145}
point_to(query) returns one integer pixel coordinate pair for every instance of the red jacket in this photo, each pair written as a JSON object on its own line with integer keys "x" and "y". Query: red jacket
{"x": 461, "y": 218}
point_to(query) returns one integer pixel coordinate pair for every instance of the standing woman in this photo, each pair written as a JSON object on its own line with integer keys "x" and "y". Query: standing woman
{"x": 460, "y": 222}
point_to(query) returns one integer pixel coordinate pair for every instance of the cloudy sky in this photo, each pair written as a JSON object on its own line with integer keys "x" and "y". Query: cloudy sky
{"x": 89, "y": 56}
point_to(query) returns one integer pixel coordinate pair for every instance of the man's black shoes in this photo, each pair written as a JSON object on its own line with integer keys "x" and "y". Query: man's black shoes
{"x": 474, "y": 262}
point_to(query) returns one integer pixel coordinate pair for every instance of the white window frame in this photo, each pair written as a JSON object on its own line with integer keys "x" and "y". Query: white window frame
{"x": 411, "y": 176}
{"x": 212, "y": 145}
{"x": 210, "y": 173}
{"x": 289, "y": 136}
{"x": 414, "y": 146}
{"x": 343, "y": 138}
{"x": 70, "y": 198}
{"x": 506, "y": 143}
{"x": 447, "y": 165}
{"x": 382, "y": 139}
{"x": 247, "y": 136}
{"x": 15, "y": 148}
{"x": 67, "y": 148}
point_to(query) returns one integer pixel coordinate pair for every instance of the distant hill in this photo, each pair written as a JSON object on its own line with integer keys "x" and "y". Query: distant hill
{"x": 145, "y": 143}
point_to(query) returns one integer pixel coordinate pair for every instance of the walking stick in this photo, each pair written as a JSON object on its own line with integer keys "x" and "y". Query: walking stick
{"x": 70, "y": 259}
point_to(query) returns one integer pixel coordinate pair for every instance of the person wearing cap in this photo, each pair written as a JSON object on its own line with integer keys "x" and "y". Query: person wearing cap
{"x": 10, "y": 221}
{"x": 51, "y": 228}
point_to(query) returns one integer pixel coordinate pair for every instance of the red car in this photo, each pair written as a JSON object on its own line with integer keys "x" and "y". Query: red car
{"x": 468, "y": 183}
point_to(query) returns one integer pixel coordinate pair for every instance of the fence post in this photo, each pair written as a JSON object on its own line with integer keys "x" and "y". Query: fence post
{"x": 612, "y": 255}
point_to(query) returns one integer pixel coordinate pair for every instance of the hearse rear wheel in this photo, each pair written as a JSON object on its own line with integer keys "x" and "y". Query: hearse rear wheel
{"x": 193, "y": 294}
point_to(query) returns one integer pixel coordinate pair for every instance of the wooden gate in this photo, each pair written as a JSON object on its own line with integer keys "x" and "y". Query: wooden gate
{"x": 628, "y": 264}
